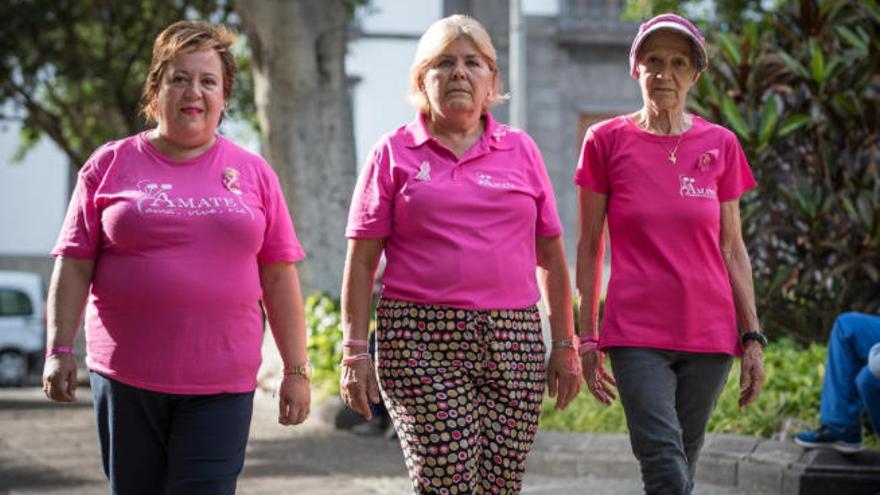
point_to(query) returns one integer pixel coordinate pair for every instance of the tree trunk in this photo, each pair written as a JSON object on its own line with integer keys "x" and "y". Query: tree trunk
{"x": 304, "y": 109}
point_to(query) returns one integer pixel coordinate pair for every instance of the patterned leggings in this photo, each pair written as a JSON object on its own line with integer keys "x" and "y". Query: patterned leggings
{"x": 464, "y": 391}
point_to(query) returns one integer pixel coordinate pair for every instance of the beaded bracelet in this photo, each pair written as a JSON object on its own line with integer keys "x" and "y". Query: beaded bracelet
{"x": 61, "y": 349}
{"x": 354, "y": 342}
{"x": 348, "y": 361}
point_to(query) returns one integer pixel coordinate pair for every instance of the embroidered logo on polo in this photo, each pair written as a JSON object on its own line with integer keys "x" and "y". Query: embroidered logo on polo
{"x": 499, "y": 132}
{"x": 486, "y": 180}
{"x": 688, "y": 189}
{"x": 424, "y": 174}
{"x": 160, "y": 199}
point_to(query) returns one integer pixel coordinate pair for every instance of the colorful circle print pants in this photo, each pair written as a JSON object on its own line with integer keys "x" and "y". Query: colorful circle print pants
{"x": 464, "y": 391}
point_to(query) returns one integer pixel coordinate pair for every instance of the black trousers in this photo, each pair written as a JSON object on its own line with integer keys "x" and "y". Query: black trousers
{"x": 154, "y": 443}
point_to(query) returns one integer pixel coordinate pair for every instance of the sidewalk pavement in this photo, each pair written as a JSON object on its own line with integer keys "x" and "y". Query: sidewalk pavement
{"x": 48, "y": 448}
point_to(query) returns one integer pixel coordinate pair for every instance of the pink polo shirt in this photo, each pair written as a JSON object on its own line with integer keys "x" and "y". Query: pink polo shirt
{"x": 669, "y": 286}
{"x": 459, "y": 232}
{"x": 174, "y": 302}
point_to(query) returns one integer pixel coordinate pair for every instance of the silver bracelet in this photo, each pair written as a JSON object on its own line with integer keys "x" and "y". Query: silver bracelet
{"x": 564, "y": 343}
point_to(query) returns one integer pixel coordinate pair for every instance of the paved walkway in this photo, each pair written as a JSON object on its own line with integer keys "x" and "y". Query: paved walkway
{"x": 49, "y": 449}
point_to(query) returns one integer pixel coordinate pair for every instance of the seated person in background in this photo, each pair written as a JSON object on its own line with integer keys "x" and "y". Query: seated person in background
{"x": 852, "y": 382}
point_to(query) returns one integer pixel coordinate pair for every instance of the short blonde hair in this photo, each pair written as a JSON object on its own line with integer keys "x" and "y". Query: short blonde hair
{"x": 185, "y": 35}
{"x": 436, "y": 40}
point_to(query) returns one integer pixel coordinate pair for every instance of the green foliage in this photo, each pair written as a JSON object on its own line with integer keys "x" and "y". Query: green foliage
{"x": 728, "y": 11}
{"x": 324, "y": 325}
{"x": 799, "y": 87}
{"x": 792, "y": 389}
{"x": 73, "y": 70}
{"x": 791, "y": 394}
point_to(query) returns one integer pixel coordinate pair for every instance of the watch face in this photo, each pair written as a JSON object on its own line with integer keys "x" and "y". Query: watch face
{"x": 304, "y": 370}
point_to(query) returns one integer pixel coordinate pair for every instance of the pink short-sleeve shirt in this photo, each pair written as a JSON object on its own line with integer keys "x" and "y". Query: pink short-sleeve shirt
{"x": 669, "y": 286}
{"x": 459, "y": 232}
{"x": 174, "y": 302}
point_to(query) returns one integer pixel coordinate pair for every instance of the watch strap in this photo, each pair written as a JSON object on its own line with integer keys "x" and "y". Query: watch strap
{"x": 756, "y": 335}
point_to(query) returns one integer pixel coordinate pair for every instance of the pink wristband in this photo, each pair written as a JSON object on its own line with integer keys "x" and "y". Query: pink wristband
{"x": 354, "y": 342}
{"x": 589, "y": 346}
{"x": 588, "y": 338}
{"x": 587, "y": 343}
{"x": 348, "y": 361}
{"x": 61, "y": 349}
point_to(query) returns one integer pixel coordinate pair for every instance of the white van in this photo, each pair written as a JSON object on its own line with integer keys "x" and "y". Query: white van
{"x": 22, "y": 325}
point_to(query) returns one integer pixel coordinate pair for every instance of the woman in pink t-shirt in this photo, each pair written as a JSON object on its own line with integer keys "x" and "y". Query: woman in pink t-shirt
{"x": 464, "y": 212}
{"x": 172, "y": 239}
{"x": 681, "y": 282}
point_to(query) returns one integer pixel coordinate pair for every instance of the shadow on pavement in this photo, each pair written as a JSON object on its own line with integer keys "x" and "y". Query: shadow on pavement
{"x": 32, "y": 477}
{"x": 327, "y": 454}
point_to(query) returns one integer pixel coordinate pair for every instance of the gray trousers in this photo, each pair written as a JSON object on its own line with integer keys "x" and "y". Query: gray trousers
{"x": 668, "y": 397}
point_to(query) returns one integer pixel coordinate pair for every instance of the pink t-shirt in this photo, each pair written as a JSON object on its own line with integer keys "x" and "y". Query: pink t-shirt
{"x": 459, "y": 232}
{"x": 669, "y": 286}
{"x": 173, "y": 305}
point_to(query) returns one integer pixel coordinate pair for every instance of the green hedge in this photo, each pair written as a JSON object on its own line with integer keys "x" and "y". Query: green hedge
{"x": 324, "y": 325}
{"x": 790, "y": 398}
{"x": 789, "y": 401}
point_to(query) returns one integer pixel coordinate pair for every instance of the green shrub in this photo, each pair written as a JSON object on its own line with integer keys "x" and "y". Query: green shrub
{"x": 799, "y": 88}
{"x": 324, "y": 325}
{"x": 791, "y": 394}
{"x": 791, "y": 391}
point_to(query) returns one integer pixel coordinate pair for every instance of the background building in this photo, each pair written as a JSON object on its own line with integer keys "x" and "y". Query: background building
{"x": 577, "y": 74}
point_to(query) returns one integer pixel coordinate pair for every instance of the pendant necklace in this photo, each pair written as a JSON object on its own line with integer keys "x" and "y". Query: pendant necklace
{"x": 671, "y": 154}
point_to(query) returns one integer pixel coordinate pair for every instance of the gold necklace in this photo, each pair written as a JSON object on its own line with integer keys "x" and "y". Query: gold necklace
{"x": 671, "y": 154}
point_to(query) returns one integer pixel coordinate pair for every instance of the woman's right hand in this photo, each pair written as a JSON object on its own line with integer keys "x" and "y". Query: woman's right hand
{"x": 59, "y": 377}
{"x": 599, "y": 381}
{"x": 358, "y": 387}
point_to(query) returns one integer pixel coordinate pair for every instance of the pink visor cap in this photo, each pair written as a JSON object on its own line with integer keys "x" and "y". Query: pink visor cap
{"x": 675, "y": 23}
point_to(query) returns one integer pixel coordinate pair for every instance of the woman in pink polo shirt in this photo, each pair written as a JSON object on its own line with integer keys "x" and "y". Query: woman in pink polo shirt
{"x": 172, "y": 238}
{"x": 464, "y": 212}
{"x": 681, "y": 283}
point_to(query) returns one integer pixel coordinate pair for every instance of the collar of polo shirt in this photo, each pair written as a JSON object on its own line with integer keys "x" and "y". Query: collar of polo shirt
{"x": 417, "y": 132}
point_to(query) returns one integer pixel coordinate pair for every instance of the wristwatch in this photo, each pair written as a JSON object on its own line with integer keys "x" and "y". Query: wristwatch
{"x": 755, "y": 335}
{"x": 304, "y": 370}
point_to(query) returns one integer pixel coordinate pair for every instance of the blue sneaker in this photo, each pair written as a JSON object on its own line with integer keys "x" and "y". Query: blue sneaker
{"x": 826, "y": 438}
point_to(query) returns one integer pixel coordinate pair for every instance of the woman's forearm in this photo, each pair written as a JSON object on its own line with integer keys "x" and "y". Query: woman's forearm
{"x": 282, "y": 298}
{"x": 357, "y": 288}
{"x": 555, "y": 286}
{"x": 739, "y": 269}
{"x": 590, "y": 259}
{"x": 68, "y": 290}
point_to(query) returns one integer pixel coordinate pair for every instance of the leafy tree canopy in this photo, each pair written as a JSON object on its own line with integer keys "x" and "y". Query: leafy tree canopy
{"x": 73, "y": 70}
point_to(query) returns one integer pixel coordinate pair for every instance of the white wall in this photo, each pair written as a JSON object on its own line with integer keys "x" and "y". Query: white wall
{"x": 33, "y": 196}
{"x": 380, "y": 102}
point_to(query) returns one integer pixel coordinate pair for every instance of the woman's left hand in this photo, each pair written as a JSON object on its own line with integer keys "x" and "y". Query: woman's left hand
{"x": 751, "y": 378}
{"x": 294, "y": 400}
{"x": 564, "y": 377}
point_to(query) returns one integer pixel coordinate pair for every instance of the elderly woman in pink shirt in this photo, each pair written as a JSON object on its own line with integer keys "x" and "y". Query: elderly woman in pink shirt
{"x": 669, "y": 184}
{"x": 464, "y": 212}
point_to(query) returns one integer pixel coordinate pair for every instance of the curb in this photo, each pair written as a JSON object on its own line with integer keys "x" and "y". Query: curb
{"x": 754, "y": 465}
